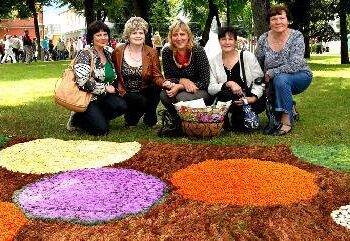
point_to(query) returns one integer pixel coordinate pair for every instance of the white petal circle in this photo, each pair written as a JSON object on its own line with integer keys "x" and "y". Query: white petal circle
{"x": 342, "y": 216}
{"x": 54, "y": 155}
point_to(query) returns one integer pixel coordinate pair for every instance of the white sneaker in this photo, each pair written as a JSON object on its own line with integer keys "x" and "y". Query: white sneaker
{"x": 69, "y": 125}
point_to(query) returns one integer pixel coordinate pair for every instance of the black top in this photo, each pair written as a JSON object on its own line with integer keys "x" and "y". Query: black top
{"x": 27, "y": 40}
{"x": 198, "y": 70}
{"x": 234, "y": 75}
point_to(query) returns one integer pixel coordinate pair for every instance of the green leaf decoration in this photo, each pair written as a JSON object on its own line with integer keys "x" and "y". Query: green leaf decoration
{"x": 3, "y": 140}
{"x": 336, "y": 157}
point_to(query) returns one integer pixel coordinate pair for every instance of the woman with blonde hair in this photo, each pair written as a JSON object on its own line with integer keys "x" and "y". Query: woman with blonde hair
{"x": 139, "y": 74}
{"x": 186, "y": 70}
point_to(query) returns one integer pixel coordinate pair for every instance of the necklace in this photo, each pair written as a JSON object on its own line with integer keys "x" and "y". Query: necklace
{"x": 278, "y": 40}
{"x": 136, "y": 60}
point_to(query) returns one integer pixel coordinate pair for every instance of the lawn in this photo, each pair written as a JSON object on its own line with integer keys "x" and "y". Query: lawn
{"x": 28, "y": 109}
{"x": 133, "y": 185}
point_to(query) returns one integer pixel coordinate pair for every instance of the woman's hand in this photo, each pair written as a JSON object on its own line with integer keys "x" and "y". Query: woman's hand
{"x": 235, "y": 88}
{"x": 189, "y": 86}
{"x": 167, "y": 85}
{"x": 174, "y": 90}
{"x": 250, "y": 100}
{"x": 110, "y": 89}
{"x": 267, "y": 78}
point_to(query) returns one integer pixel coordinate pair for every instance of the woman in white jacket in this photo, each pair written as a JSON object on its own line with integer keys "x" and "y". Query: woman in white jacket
{"x": 227, "y": 81}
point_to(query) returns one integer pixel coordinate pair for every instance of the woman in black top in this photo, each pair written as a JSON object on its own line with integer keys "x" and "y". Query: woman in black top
{"x": 186, "y": 69}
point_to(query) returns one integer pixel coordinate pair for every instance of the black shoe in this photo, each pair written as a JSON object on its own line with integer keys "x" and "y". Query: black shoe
{"x": 171, "y": 125}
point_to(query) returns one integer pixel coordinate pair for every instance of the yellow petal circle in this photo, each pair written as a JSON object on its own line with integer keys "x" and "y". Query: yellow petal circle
{"x": 53, "y": 155}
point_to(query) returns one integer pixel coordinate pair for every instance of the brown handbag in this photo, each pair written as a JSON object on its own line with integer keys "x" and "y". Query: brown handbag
{"x": 67, "y": 92}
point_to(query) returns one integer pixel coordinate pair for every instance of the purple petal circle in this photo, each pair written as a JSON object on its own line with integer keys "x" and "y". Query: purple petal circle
{"x": 90, "y": 196}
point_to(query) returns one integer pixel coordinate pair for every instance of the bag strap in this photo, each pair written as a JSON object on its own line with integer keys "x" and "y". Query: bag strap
{"x": 243, "y": 72}
{"x": 92, "y": 65}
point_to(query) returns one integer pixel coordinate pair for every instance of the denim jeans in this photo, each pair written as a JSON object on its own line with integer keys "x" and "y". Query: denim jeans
{"x": 95, "y": 119}
{"x": 287, "y": 85}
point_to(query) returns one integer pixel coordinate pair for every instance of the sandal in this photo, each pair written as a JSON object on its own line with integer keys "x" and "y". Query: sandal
{"x": 296, "y": 115}
{"x": 282, "y": 130}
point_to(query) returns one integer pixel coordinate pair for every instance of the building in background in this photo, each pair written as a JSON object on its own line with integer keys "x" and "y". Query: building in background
{"x": 72, "y": 24}
{"x": 17, "y": 26}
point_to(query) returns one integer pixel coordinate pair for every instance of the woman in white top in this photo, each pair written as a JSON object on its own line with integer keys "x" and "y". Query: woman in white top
{"x": 227, "y": 82}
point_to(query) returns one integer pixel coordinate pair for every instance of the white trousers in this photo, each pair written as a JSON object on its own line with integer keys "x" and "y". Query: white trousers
{"x": 9, "y": 53}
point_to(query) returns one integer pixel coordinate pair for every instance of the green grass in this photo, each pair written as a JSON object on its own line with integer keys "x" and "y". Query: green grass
{"x": 27, "y": 109}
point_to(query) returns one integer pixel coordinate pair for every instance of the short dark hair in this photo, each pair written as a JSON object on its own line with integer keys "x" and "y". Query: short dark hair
{"x": 277, "y": 10}
{"x": 96, "y": 27}
{"x": 227, "y": 29}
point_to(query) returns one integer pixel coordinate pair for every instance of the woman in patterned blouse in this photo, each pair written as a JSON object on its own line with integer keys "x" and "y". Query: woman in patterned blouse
{"x": 186, "y": 69}
{"x": 139, "y": 74}
{"x": 106, "y": 103}
{"x": 280, "y": 53}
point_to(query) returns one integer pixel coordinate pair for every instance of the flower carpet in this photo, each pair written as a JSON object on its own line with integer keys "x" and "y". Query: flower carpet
{"x": 163, "y": 191}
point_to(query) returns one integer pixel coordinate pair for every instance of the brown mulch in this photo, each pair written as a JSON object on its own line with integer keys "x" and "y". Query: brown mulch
{"x": 178, "y": 218}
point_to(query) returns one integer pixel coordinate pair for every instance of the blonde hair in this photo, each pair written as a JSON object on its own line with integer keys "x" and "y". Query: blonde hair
{"x": 180, "y": 25}
{"x": 133, "y": 24}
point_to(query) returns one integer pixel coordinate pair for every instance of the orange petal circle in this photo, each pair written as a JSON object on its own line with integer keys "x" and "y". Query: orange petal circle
{"x": 245, "y": 182}
{"x": 11, "y": 220}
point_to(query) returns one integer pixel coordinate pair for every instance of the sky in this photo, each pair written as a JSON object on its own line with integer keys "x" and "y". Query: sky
{"x": 51, "y": 14}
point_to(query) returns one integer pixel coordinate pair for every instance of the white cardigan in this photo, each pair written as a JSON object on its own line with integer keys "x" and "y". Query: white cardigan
{"x": 252, "y": 71}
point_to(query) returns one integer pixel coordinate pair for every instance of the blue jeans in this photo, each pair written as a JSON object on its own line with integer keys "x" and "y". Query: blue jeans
{"x": 287, "y": 85}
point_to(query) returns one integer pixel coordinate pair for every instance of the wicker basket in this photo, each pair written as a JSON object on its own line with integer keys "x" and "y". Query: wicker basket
{"x": 201, "y": 130}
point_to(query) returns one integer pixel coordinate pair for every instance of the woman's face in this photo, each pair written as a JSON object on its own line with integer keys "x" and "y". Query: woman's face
{"x": 180, "y": 39}
{"x": 227, "y": 43}
{"x": 100, "y": 39}
{"x": 279, "y": 23}
{"x": 137, "y": 37}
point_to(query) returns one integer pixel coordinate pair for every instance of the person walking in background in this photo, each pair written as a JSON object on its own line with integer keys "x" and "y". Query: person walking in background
{"x": 80, "y": 45}
{"x": 27, "y": 47}
{"x": 2, "y": 50}
{"x": 186, "y": 71}
{"x": 8, "y": 50}
{"x": 45, "y": 44}
{"x": 106, "y": 103}
{"x": 280, "y": 53}
{"x": 139, "y": 75}
{"x": 61, "y": 48}
{"x": 35, "y": 50}
{"x": 227, "y": 82}
{"x": 16, "y": 46}
{"x": 157, "y": 42}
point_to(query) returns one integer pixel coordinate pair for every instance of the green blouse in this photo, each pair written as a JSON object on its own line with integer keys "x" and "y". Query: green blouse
{"x": 109, "y": 73}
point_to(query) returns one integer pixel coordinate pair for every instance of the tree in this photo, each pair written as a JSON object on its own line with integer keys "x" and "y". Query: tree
{"x": 343, "y": 8}
{"x": 159, "y": 16}
{"x": 259, "y": 9}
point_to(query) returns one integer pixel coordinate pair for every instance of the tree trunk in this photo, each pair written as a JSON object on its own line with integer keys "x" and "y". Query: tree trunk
{"x": 213, "y": 12}
{"x": 89, "y": 11}
{"x": 31, "y": 6}
{"x": 303, "y": 10}
{"x": 141, "y": 11}
{"x": 344, "y": 54}
{"x": 228, "y": 12}
{"x": 260, "y": 8}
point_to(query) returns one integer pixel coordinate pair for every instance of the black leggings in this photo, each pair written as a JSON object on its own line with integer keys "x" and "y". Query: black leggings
{"x": 142, "y": 103}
